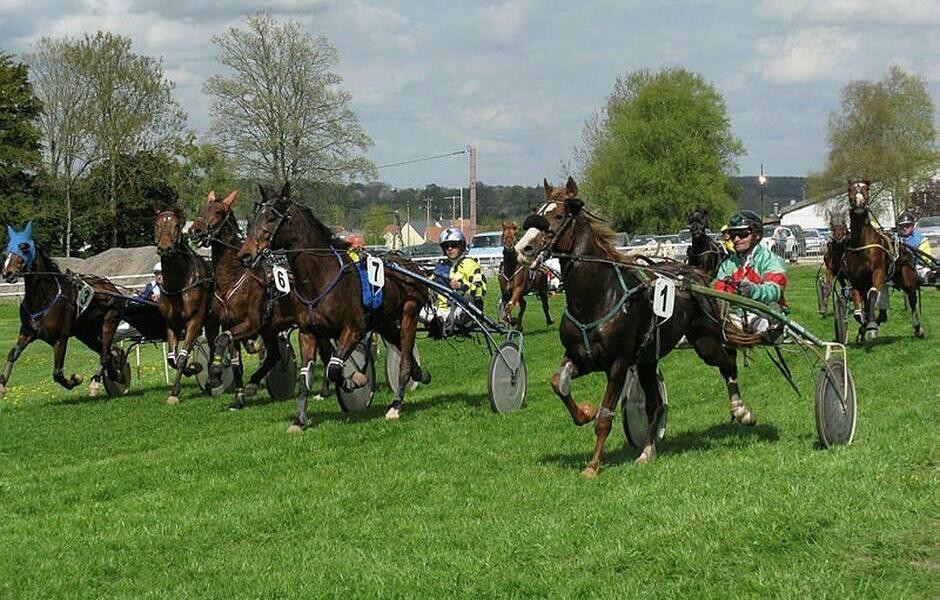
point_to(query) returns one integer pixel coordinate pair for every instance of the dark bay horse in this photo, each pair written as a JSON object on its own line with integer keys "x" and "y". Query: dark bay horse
{"x": 834, "y": 257}
{"x": 704, "y": 252}
{"x": 241, "y": 300}
{"x": 327, "y": 284}
{"x": 516, "y": 280}
{"x": 186, "y": 294}
{"x": 871, "y": 263}
{"x": 49, "y": 310}
{"x": 609, "y": 323}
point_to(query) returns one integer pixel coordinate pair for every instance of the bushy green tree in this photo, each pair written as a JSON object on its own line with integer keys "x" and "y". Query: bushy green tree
{"x": 662, "y": 146}
{"x": 883, "y": 131}
{"x": 20, "y": 156}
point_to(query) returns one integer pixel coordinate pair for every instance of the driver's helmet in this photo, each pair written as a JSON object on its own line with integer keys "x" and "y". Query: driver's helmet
{"x": 453, "y": 235}
{"x": 158, "y": 268}
{"x": 746, "y": 220}
{"x": 905, "y": 218}
{"x": 355, "y": 241}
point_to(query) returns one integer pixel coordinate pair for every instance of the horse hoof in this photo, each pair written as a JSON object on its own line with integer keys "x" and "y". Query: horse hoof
{"x": 920, "y": 333}
{"x": 77, "y": 380}
{"x": 251, "y": 389}
{"x": 93, "y": 388}
{"x": 295, "y": 428}
{"x": 392, "y": 414}
{"x": 645, "y": 457}
{"x": 587, "y": 412}
{"x": 173, "y": 400}
{"x": 3, "y": 391}
{"x": 425, "y": 377}
{"x": 589, "y": 472}
{"x": 318, "y": 398}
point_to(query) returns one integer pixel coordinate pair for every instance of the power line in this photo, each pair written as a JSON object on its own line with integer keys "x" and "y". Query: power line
{"x": 417, "y": 160}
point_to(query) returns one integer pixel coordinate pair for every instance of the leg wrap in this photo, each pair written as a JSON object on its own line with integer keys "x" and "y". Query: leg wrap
{"x": 334, "y": 370}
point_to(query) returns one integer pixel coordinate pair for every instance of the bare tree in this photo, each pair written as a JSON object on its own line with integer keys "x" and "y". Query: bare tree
{"x": 64, "y": 120}
{"x": 130, "y": 104}
{"x": 280, "y": 113}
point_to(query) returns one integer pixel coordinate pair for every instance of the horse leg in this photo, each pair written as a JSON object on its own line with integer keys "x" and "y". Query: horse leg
{"x": 171, "y": 342}
{"x": 325, "y": 350}
{"x": 522, "y": 304}
{"x": 22, "y": 340}
{"x": 308, "y": 354}
{"x": 408, "y": 368}
{"x": 543, "y": 296}
{"x": 911, "y": 286}
{"x": 237, "y": 375}
{"x": 59, "y": 348}
{"x": 561, "y": 383}
{"x": 272, "y": 354}
{"x": 827, "y": 291}
{"x": 605, "y": 415}
{"x": 859, "y": 303}
{"x": 348, "y": 338}
{"x": 871, "y": 303}
{"x": 111, "y": 320}
{"x": 714, "y": 354}
{"x": 649, "y": 381}
{"x": 182, "y": 357}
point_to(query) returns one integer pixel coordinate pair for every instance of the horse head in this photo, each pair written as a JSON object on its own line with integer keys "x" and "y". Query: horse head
{"x": 266, "y": 222}
{"x": 549, "y": 228}
{"x": 859, "y": 194}
{"x": 168, "y": 229}
{"x": 212, "y": 217}
{"x": 510, "y": 231}
{"x": 21, "y": 252}
{"x": 838, "y": 226}
{"x": 697, "y": 220}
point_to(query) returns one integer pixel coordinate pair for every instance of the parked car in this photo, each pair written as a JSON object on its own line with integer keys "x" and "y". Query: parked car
{"x": 781, "y": 241}
{"x": 930, "y": 227}
{"x": 814, "y": 242}
{"x": 426, "y": 251}
{"x": 800, "y": 234}
{"x": 487, "y": 248}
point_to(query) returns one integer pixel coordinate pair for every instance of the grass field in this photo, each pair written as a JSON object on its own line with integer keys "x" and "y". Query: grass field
{"x": 130, "y": 497}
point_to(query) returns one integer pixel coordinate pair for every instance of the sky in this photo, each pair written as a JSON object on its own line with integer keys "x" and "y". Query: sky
{"x": 518, "y": 79}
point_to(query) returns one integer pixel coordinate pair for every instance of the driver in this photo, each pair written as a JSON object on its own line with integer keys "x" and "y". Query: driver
{"x": 915, "y": 239}
{"x": 151, "y": 291}
{"x": 461, "y": 273}
{"x": 751, "y": 270}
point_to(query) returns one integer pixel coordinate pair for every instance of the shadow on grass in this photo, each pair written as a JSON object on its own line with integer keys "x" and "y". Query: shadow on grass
{"x": 686, "y": 442}
{"x": 316, "y": 415}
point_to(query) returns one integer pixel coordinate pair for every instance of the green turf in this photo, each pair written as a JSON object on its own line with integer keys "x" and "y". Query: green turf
{"x": 130, "y": 497}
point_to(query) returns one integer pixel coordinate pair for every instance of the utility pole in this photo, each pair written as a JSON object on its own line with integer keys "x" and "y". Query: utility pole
{"x": 473, "y": 190}
{"x": 427, "y": 223}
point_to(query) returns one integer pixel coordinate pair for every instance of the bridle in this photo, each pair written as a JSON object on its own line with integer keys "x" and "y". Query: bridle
{"x": 211, "y": 235}
{"x": 179, "y": 232}
{"x": 551, "y": 237}
{"x": 270, "y": 234}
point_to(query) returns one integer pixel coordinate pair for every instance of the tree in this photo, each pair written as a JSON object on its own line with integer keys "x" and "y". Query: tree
{"x": 204, "y": 167}
{"x": 130, "y": 106}
{"x": 883, "y": 131}
{"x": 281, "y": 113}
{"x": 65, "y": 124}
{"x": 661, "y": 146}
{"x": 20, "y": 155}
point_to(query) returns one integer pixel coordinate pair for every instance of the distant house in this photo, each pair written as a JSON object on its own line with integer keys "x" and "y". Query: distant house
{"x": 811, "y": 213}
{"x": 411, "y": 235}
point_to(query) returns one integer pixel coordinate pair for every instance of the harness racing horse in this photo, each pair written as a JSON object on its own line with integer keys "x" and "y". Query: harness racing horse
{"x": 241, "y": 300}
{"x": 609, "y": 325}
{"x": 327, "y": 284}
{"x": 185, "y": 296}
{"x": 834, "y": 258}
{"x": 516, "y": 280}
{"x": 50, "y": 312}
{"x": 871, "y": 262}
{"x": 704, "y": 252}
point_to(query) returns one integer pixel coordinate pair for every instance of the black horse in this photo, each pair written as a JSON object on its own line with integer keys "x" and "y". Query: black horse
{"x": 609, "y": 324}
{"x": 704, "y": 252}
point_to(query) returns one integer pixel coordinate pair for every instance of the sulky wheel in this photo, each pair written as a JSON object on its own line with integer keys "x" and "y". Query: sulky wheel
{"x": 633, "y": 406}
{"x": 507, "y": 378}
{"x": 359, "y": 398}
{"x": 836, "y": 409}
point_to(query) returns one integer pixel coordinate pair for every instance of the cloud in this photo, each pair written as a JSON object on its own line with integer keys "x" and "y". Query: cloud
{"x": 817, "y": 54}
{"x": 924, "y": 13}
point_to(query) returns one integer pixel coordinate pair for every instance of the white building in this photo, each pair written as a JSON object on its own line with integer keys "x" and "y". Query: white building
{"x": 811, "y": 214}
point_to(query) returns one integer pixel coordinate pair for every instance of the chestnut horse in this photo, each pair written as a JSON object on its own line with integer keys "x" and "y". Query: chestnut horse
{"x": 327, "y": 284}
{"x": 871, "y": 263}
{"x": 704, "y": 252}
{"x": 834, "y": 258}
{"x": 240, "y": 300}
{"x": 609, "y": 325}
{"x": 49, "y": 311}
{"x": 516, "y": 280}
{"x": 185, "y": 296}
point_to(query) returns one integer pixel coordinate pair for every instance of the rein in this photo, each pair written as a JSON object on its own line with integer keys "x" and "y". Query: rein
{"x": 194, "y": 261}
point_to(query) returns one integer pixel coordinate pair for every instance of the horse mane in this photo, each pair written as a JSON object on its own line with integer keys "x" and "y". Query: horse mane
{"x": 603, "y": 235}
{"x": 320, "y": 228}
{"x": 51, "y": 265}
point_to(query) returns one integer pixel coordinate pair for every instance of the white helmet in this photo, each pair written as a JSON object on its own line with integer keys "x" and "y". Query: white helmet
{"x": 158, "y": 268}
{"x": 453, "y": 234}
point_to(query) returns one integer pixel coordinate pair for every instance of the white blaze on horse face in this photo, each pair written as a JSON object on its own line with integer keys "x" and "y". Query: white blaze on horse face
{"x": 6, "y": 263}
{"x": 527, "y": 241}
{"x": 546, "y": 208}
